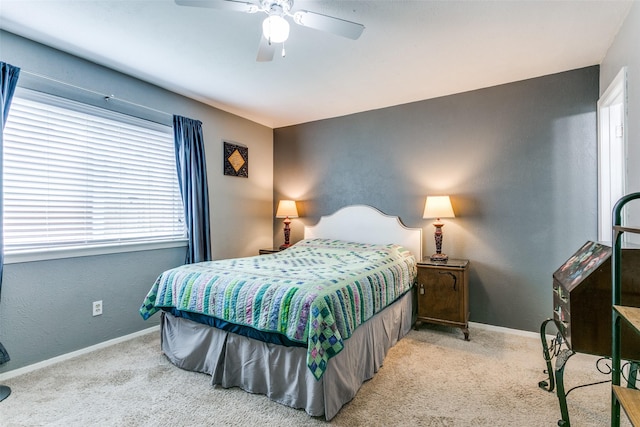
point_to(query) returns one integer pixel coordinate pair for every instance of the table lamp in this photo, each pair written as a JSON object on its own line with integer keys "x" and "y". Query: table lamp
{"x": 286, "y": 209}
{"x": 438, "y": 207}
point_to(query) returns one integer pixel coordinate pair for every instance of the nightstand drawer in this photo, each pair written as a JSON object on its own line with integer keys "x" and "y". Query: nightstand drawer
{"x": 441, "y": 294}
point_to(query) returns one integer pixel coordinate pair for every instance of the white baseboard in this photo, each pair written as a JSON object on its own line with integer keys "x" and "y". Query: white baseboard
{"x": 67, "y": 356}
{"x": 504, "y": 330}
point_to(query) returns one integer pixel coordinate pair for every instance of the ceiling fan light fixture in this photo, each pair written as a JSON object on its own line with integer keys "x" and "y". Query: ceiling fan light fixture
{"x": 275, "y": 29}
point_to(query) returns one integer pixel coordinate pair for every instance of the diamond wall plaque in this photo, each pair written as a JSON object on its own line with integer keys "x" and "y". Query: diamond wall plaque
{"x": 236, "y": 160}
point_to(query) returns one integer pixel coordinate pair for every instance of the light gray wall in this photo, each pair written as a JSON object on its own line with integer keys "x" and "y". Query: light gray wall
{"x": 519, "y": 161}
{"x": 45, "y": 310}
{"x": 625, "y": 51}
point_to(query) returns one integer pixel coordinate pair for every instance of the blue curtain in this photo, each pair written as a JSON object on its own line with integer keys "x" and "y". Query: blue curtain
{"x": 8, "y": 81}
{"x": 192, "y": 179}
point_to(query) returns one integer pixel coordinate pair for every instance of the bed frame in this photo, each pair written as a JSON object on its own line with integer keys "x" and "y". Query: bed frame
{"x": 281, "y": 372}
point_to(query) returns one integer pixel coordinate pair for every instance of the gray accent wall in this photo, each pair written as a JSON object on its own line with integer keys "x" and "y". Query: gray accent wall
{"x": 518, "y": 160}
{"x": 45, "y": 310}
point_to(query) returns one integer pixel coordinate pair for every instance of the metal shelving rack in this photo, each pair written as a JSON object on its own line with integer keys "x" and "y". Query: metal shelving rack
{"x": 626, "y": 397}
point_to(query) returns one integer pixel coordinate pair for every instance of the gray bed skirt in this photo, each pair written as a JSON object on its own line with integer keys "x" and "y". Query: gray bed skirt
{"x": 281, "y": 372}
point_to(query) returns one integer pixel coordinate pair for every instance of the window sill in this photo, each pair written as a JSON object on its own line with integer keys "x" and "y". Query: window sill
{"x": 75, "y": 252}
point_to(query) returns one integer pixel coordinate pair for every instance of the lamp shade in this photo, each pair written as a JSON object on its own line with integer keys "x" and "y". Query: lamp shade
{"x": 287, "y": 208}
{"x": 438, "y": 207}
{"x": 275, "y": 29}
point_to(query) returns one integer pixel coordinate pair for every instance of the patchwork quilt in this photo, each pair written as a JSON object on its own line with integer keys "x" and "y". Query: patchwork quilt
{"x": 316, "y": 292}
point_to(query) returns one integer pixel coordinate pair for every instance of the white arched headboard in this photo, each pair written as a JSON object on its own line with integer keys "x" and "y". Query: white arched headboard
{"x": 366, "y": 224}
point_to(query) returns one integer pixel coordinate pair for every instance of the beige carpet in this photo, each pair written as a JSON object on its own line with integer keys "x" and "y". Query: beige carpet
{"x": 431, "y": 378}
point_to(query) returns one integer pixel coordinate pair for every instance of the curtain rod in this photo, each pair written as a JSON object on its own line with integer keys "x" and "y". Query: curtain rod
{"x": 107, "y": 98}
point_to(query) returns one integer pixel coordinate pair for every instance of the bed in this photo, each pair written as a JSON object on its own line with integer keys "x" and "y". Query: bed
{"x": 305, "y": 326}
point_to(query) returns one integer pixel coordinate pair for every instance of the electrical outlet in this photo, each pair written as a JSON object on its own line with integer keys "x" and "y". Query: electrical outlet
{"x": 97, "y": 308}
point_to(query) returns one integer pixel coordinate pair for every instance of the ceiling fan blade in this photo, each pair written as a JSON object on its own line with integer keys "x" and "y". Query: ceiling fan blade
{"x": 266, "y": 50}
{"x": 233, "y": 5}
{"x": 351, "y": 30}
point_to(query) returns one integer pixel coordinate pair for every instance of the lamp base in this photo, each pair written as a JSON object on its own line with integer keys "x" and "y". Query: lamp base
{"x": 284, "y": 246}
{"x": 439, "y": 257}
{"x": 4, "y": 392}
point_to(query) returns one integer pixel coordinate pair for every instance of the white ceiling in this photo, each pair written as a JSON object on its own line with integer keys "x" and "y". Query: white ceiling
{"x": 409, "y": 51}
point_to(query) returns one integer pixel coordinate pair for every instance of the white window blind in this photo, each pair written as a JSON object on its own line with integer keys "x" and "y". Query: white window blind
{"x": 81, "y": 176}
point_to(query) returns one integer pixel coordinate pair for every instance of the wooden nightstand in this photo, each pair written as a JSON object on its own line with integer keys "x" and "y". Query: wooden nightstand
{"x": 268, "y": 251}
{"x": 443, "y": 293}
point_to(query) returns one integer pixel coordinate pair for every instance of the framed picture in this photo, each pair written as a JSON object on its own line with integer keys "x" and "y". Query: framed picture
{"x": 236, "y": 160}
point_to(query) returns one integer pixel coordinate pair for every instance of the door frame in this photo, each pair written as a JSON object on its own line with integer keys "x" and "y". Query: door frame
{"x": 614, "y": 95}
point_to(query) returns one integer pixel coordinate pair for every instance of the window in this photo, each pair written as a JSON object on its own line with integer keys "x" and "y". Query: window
{"x": 77, "y": 176}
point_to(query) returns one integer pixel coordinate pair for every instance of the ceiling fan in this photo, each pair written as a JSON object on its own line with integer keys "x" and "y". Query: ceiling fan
{"x": 275, "y": 28}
